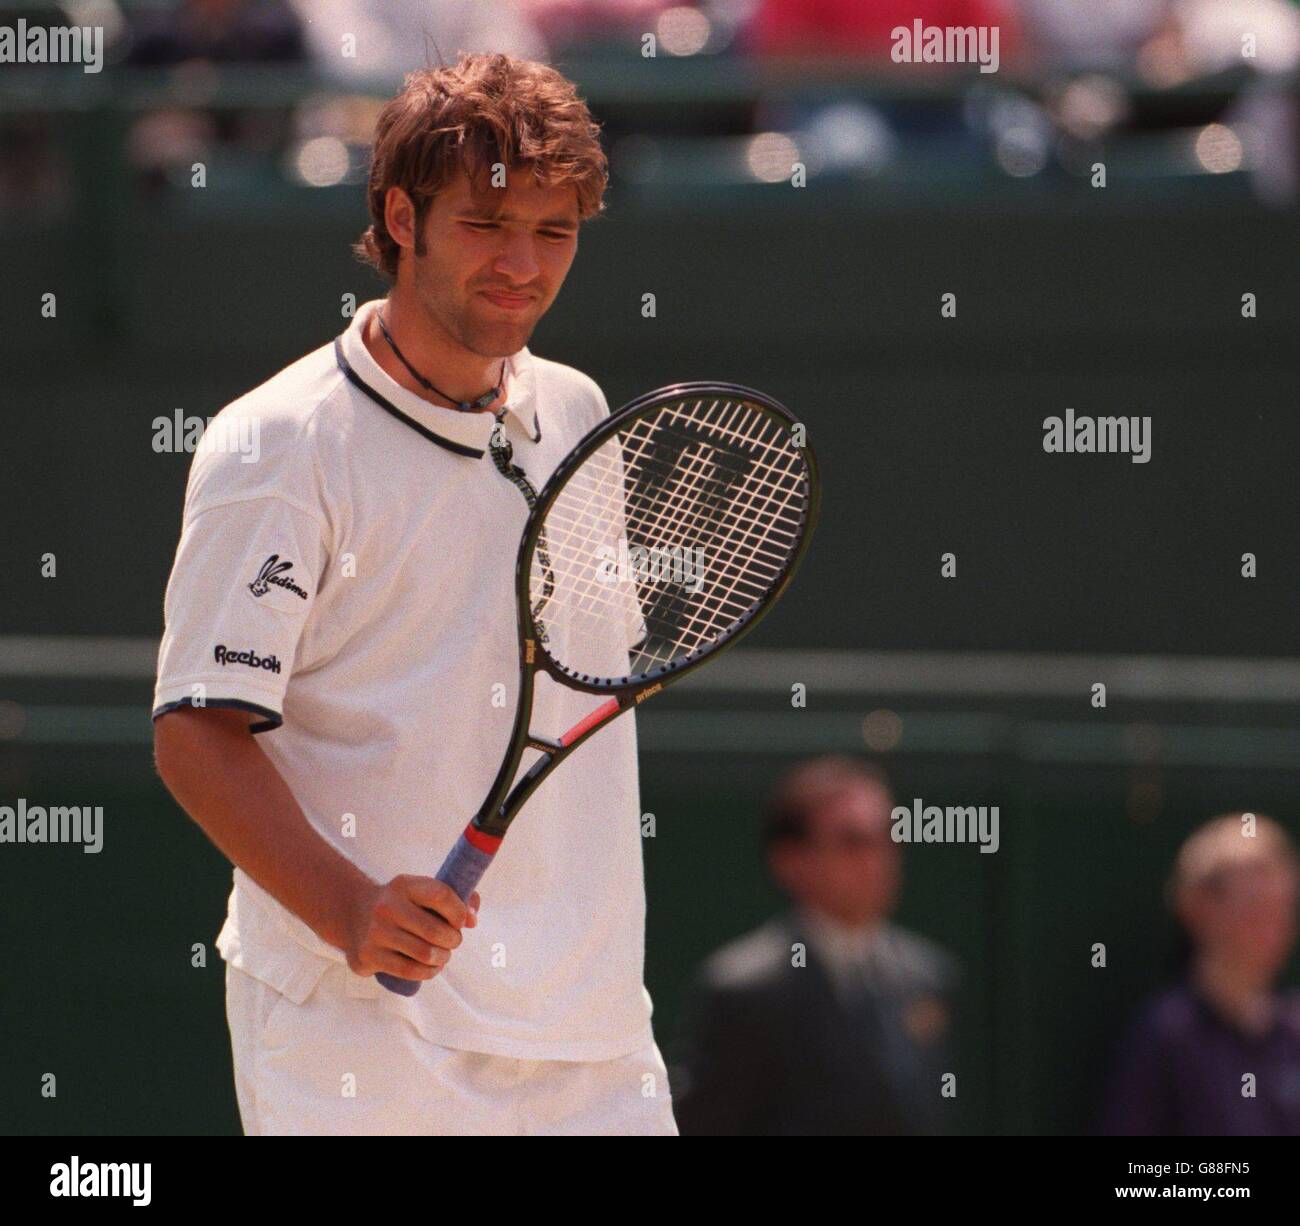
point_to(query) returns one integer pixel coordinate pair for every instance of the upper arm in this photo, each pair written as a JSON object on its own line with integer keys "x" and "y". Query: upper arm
{"x": 189, "y": 733}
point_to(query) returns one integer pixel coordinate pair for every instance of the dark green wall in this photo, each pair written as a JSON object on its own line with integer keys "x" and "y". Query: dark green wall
{"x": 930, "y": 430}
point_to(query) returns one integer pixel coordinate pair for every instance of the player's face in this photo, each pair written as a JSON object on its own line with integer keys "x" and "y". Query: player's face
{"x": 492, "y": 265}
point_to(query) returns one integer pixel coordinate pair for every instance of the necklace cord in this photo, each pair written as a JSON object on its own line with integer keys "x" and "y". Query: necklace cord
{"x": 465, "y": 406}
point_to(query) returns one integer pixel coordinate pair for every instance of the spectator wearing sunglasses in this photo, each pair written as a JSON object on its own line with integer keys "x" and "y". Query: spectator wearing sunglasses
{"x": 829, "y": 1019}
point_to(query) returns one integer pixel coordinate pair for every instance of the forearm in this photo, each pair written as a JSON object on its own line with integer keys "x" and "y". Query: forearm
{"x": 219, "y": 775}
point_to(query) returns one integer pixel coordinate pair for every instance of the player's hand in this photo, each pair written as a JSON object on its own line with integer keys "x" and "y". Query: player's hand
{"x": 408, "y": 927}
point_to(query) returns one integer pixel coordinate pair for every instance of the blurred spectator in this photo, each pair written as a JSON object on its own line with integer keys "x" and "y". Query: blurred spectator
{"x": 1262, "y": 36}
{"x": 1091, "y": 34}
{"x": 370, "y": 40}
{"x": 569, "y": 23}
{"x": 218, "y": 31}
{"x": 1184, "y": 1066}
{"x": 828, "y": 1020}
{"x": 1164, "y": 41}
{"x": 855, "y": 28}
{"x": 1210, "y": 35}
{"x": 192, "y": 36}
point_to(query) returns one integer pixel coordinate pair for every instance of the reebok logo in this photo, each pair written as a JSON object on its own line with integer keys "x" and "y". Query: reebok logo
{"x": 223, "y": 656}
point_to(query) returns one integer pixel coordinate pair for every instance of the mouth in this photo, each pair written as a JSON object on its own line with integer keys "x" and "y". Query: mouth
{"x": 509, "y": 302}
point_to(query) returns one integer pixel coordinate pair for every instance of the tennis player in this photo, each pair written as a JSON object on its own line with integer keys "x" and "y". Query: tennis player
{"x": 336, "y": 681}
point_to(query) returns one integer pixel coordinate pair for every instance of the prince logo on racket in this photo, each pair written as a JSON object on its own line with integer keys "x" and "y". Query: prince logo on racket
{"x": 448, "y": 499}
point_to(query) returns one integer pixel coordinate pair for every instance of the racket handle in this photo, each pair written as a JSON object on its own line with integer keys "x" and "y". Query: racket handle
{"x": 464, "y": 866}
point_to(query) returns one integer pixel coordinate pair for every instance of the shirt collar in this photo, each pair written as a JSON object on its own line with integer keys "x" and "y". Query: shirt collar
{"x": 464, "y": 432}
{"x": 839, "y": 946}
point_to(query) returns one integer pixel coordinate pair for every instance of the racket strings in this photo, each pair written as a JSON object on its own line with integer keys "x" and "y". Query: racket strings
{"x": 674, "y": 508}
{"x": 638, "y": 524}
{"x": 687, "y": 491}
{"x": 703, "y": 501}
{"x": 644, "y": 517}
{"x": 672, "y": 514}
{"x": 683, "y": 513}
{"x": 741, "y": 569}
{"x": 676, "y": 504}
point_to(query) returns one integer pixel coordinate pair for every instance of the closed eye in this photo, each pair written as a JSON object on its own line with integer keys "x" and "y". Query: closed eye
{"x": 484, "y": 227}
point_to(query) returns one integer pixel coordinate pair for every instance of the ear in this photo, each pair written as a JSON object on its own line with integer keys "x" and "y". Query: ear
{"x": 400, "y": 217}
{"x": 275, "y": 570}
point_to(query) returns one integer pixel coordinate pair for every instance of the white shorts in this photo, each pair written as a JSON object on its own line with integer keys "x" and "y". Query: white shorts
{"x": 334, "y": 1067}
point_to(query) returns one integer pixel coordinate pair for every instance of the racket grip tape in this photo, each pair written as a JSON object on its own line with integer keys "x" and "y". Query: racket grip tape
{"x": 462, "y": 869}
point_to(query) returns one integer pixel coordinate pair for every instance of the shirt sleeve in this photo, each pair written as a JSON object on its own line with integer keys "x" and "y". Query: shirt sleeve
{"x": 241, "y": 590}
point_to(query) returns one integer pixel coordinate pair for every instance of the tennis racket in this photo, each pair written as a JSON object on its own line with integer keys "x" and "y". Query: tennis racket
{"x": 661, "y": 540}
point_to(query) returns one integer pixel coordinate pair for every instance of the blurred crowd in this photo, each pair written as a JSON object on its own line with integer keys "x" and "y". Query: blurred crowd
{"x": 833, "y": 1020}
{"x": 1085, "y": 56}
{"x": 1164, "y": 41}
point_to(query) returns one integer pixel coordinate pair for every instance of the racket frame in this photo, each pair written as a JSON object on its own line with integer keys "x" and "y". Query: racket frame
{"x": 503, "y": 803}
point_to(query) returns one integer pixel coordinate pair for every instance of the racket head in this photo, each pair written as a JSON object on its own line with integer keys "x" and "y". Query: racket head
{"x": 665, "y": 536}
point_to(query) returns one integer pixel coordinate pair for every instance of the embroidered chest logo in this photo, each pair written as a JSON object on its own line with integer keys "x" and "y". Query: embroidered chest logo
{"x": 272, "y": 572}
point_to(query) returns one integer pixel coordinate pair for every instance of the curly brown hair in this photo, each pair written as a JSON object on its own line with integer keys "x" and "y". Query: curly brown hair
{"x": 483, "y": 110}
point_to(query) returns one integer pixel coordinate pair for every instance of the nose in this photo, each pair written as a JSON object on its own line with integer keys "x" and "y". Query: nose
{"x": 516, "y": 260}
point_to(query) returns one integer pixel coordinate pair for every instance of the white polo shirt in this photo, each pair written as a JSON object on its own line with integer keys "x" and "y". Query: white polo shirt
{"x": 352, "y": 588}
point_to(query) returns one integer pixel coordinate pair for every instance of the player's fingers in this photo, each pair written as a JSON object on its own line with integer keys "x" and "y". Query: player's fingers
{"x": 436, "y": 896}
{"x": 393, "y": 963}
{"x": 426, "y": 926}
{"x": 473, "y": 909}
{"x": 411, "y": 946}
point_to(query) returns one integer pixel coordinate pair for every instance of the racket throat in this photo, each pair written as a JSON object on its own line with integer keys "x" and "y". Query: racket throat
{"x": 496, "y": 816}
{"x": 584, "y": 728}
{"x": 495, "y": 821}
